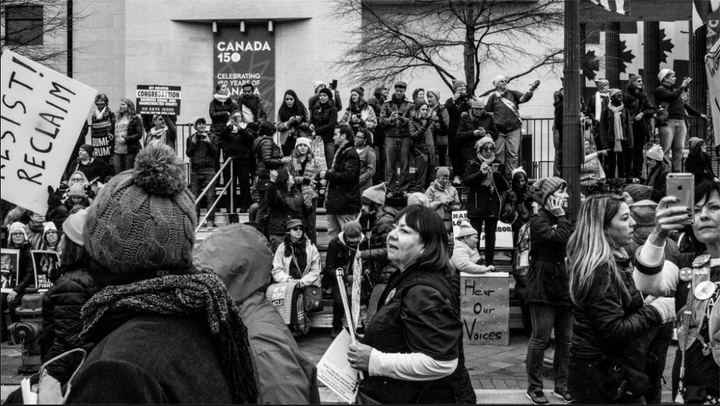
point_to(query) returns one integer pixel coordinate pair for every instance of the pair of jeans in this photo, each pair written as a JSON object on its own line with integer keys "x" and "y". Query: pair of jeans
{"x": 585, "y": 382}
{"x": 336, "y": 222}
{"x": 329, "y": 152}
{"x": 198, "y": 181}
{"x": 397, "y": 156}
{"x": 623, "y": 161}
{"x": 456, "y": 156}
{"x": 672, "y": 139}
{"x": 639, "y": 138}
{"x": 490, "y": 229}
{"x": 242, "y": 178}
{"x": 557, "y": 143}
{"x": 442, "y": 151}
{"x": 422, "y": 163}
{"x": 123, "y": 162}
{"x": 310, "y": 223}
{"x": 544, "y": 318}
{"x": 507, "y": 148}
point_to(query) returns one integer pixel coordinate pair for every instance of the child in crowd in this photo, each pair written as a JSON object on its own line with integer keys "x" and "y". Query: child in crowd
{"x": 443, "y": 196}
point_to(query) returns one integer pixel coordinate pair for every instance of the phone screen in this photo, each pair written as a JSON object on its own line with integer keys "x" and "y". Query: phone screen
{"x": 682, "y": 186}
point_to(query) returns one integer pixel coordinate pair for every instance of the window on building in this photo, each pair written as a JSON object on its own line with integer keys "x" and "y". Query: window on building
{"x": 24, "y": 25}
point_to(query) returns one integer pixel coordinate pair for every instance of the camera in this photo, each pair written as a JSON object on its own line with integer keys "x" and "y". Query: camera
{"x": 333, "y": 84}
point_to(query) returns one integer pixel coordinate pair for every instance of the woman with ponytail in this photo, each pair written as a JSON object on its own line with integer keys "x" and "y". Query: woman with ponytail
{"x": 611, "y": 320}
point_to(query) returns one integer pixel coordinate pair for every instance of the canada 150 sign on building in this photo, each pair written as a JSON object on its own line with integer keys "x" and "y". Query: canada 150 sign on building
{"x": 246, "y": 57}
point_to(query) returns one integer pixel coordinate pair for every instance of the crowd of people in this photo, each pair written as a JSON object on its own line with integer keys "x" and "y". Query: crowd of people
{"x": 607, "y": 281}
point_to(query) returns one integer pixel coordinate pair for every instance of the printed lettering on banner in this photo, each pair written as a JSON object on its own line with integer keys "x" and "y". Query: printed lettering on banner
{"x": 154, "y": 99}
{"x": 485, "y": 308}
{"x": 503, "y": 232}
{"x": 44, "y": 263}
{"x": 335, "y": 372}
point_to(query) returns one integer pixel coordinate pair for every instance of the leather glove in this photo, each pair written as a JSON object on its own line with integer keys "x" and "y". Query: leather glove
{"x": 666, "y": 307}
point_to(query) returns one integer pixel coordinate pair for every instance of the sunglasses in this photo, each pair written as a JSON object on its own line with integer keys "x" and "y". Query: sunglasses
{"x": 488, "y": 148}
{"x": 160, "y": 119}
{"x": 297, "y": 228}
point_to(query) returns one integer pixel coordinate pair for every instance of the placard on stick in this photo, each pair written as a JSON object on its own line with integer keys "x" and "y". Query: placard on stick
{"x": 42, "y": 115}
{"x": 44, "y": 262}
{"x": 485, "y": 308}
{"x": 9, "y": 269}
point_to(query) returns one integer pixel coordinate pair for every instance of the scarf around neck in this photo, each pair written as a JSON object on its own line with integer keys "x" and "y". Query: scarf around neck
{"x": 617, "y": 126}
{"x": 201, "y": 293}
{"x": 222, "y": 98}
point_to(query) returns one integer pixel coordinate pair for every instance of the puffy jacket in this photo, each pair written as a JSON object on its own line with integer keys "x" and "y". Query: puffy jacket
{"x": 505, "y": 118}
{"x": 202, "y": 154}
{"x": 268, "y": 156}
{"x": 436, "y": 194}
{"x": 304, "y": 172}
{"x": 483, "y": 200}
{"x": 547, "y": 277}
{"x": 465, "y": 258}
{"x": 382, "y": 223}
{"x": 324, "y": 117}
{"x": 26, "y": 270}
{"x": 343, "y": 190}
{"x": 366, "y": 114}
{"x": 670, "y": 98}
{"x": 469, "y": 123}
{"x": 238, "y": 144}
{"x": 607, "y": 134}
{"x": 340, "y": 255}
{"x": 220, "y": 113}
{"x": 636, "y": 101}
{"x": 400, "y": 127}
{"x": 368, "y": 167}
{"x": 419, "y": 129}
{"x": 284, "y": 205}
{"x": 311, "y": 273}
{"x": 439, "y": 128}
{"x": 455, "y": 108}
{"x": 134, "y": 134}
{"x": 61, "y": 320}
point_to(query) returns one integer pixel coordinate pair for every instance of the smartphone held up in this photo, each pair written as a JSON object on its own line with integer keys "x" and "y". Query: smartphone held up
{"x": 682, "y": 186}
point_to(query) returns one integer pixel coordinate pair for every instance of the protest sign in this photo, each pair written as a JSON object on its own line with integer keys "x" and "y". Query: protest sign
{"x": 334, "y": 369}
{"x": 485, "y": 308}
{"x": 503, "y": 233}
{"x": 155, "y": 99}
{"x": 712, "y": 68}
{"x": 42, "y": 115}
{"x": 9, "y": 268}
{"x": 44, "y": 262}
{"x": 287, "y": 300}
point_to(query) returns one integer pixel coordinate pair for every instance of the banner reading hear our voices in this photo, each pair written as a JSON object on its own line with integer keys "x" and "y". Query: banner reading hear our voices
{"x": 43, "y": 112}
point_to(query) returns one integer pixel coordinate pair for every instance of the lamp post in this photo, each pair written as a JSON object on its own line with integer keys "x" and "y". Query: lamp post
{"x": 573, "y": 155}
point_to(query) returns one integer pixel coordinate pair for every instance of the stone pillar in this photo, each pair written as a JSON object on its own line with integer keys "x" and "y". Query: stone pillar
{"x": 613, "y": 54}
{"x": 651, "y": 56}
{"x": 698, "y": 87}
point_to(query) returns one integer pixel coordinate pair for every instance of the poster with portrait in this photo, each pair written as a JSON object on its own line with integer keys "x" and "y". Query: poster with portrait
{"x": 45, "y": 263}
{"x": 9, "y": 265}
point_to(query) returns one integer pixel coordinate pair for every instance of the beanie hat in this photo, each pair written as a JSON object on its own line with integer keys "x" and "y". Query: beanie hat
{"x": 435, "y": 92}
{"x": 282, "y": 176}
{"x": 16, "y": 227}
{"x": 639, "y": 192}
{"x": 643, "y": 212}
{"x": 545, "y": 187}
{"x": 442, "y": 171}
{"x": 266, "y": 128}
{"x": 614, "y": 92}
{"x": 378, "y": 90}
{"x": 88, "y": 148}
{"x": 477, "y": 104}
{"x": 634, "y": 78}
{"x": 359, "y": 90}
{"x": 352, "y": 229}
{"x": 49, "y": 226}
{"x": 374, "y": 194}
{"x": 77, "y": 190}
{"x": 317, "y": 84}
{"x": 302, "y": 140}
{"x": 694, "y": 142}
{"x": 484, "y": 140}
{"x": 465, "y": 230}
{"x": 419, "y": 103}
{"x": 655, "y": 152}
{"x": 496, "y": 79}
{"x": 292, "y": 223}
{"x": 400, "y": 83}
{"x": 142, "y": 223}
{"x": 602, "y": 82}
{"x": 326, "y": 91}
{"x": 73, "y": 226}
{"x": 663, "y": 73}
{"x": 457, "y": 84}
{"x": 418, "y": 198}
{"x": 517, "y": 170}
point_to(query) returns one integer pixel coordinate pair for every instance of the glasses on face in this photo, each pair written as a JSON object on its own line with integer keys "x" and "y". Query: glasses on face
{"x": 18, "y": 235}
{"x": 160, "y": 119}
{"x": 75, "y": 180}
{"x": 297, "y": 228}
{"x": 488, "y": 148}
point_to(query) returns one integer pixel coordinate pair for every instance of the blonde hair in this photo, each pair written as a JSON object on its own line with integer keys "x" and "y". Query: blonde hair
{"x": 130, "y": 108}
{"x": 590, "y": 248}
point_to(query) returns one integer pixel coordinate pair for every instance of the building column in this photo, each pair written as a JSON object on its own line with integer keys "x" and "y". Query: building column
{"x": 651, "y": 56}
{"x": 698, "y": 86}
{"x": 613, "y": 54}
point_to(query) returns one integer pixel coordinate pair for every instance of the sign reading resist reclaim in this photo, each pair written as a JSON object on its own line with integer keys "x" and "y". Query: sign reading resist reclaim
{"x": 42, "y": 114}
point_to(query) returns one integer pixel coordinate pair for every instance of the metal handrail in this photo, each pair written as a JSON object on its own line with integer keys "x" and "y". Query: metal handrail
{"x": 212, "y": 208}
{"x": 228, "y": 160}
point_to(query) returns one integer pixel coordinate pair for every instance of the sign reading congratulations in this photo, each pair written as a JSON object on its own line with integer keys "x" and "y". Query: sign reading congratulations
{"x": 246, "y": 57}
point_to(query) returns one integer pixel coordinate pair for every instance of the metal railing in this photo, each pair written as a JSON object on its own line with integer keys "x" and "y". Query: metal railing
{"x": 211, "y": 209}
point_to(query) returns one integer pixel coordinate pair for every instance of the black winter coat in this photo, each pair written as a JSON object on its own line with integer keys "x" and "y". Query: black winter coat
{"x": 238, "y": 145}
{"x": 468, "y": 124}
{"x": 343, "y": 192}
{"x": 134, "y": 135}
{"x": 547, "y": 277}
{"x": 483, "y": 200}
{"x": 26, "y": 274}
{"x": 255, "y": 105}
{"x": 268, "y": 156}
{"x": 607, "y": 136}
{"x": 61, "y": 320}
{"x": 324, "y": 117}
{"x": 220, "y": 113}
{"x": 202, "y": 153}
{"x": 284, "y": 205}
{"x": 455, "y": 108}
{"x": 700, "y": 165}
{"x": 671, "y": 99}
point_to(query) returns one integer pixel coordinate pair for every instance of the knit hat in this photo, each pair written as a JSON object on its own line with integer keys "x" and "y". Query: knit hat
{"x": 465, "y": 230}
{"x": 601, "y": 82}
{"x": 477, "y": 104}
{"x": 302, "y": 140}
{"x": 545, "y": 187}
{"x": 48, "y": 226}
{"x": 435, "y": 92}
{"x": 266, "y": 128}
{"x": 484, "y": 140}
{"x": 442, "y": 171}
{"x": 73, "y": 226}
{"x": 292, "y": 223}
{"x": 517, "y": 170}
{"x": 457, "y": 84}
{"x": 497, "y": 78}
{"x": 326, "y": 91}
{"x": 378, "y": 90}
{"x": 88, "y": 148}
{"x": 655, "y": 152}
{"x": 634, "y": 78}
{"x": 142, "y": 223}
{"x": 359, "y": 90}
{"x": 282, "y": 176}
{"x": 643, "y": 212}
{"x": 374, "y": 194}
{"x": 77, "y": 190}
{"x": 614, "y": 92}
{"x": 694, "y": 142}
{"x": 16, "y": 227}
{"x": 317, "y": 84}
{"x": 638, "y": 192}
{"x": 419, "y": 103}
{"x": 400, "y": 83}
{"x": 352, "y": 229}
{"x": 418, "y": 198}
{"x": 663, "y": 73}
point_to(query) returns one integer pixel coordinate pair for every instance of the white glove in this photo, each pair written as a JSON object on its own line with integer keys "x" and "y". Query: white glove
{"x": 666, "y": 307}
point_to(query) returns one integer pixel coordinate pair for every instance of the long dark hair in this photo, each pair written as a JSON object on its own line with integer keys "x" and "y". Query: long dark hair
{"x": 298, "y": 109}
{"x": 432, "y": 233}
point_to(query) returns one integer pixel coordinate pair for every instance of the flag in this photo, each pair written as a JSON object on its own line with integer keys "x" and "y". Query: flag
{"x": 701, "y": 12}
{"x": 615, "y": 6}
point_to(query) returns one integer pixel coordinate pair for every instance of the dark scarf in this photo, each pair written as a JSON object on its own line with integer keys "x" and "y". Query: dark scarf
{"x": 298, "y": 248}
{"x": 179, "y": 295}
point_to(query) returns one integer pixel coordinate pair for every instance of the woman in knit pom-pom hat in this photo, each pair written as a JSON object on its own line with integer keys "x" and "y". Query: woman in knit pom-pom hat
{"x": 163, "y": 332}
